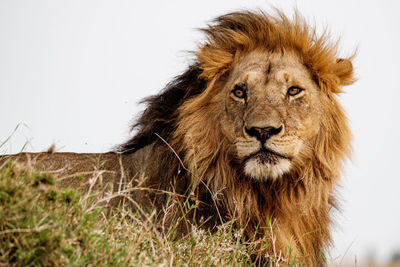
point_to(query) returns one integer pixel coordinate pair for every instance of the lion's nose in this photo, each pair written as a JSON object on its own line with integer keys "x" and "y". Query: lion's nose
{"x": 263, "y": 134}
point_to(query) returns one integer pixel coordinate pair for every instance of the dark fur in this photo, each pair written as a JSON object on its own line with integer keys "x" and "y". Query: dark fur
{"x": 160, "y": 115}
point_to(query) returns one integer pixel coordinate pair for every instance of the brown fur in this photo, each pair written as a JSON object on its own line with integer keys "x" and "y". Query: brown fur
{"x": 187, "y": 122}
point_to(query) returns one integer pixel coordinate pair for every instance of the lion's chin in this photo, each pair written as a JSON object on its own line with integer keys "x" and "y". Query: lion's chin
{"x": 259, "y": 169}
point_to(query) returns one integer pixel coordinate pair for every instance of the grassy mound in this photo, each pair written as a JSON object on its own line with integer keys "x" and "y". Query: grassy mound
{"x": 42, "y": 225}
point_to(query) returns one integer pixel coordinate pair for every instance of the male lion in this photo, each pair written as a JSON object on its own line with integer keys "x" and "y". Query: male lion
{"x": 253, "y": 128}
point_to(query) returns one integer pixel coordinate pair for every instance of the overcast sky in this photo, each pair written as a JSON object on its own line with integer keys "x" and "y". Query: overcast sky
{"x": 72, "y": 73}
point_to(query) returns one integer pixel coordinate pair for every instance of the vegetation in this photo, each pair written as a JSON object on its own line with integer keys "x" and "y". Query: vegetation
{"x": 43, "y": 225}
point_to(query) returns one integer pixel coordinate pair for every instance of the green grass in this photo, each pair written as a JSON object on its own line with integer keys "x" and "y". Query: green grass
{"x": 43, "y": 225}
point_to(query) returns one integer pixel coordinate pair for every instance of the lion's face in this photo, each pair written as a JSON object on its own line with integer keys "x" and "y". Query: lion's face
{"x": 271, "y": 112}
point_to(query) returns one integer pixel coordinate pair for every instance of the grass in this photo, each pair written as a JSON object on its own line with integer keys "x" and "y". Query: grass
{"x": 43, "y": 225}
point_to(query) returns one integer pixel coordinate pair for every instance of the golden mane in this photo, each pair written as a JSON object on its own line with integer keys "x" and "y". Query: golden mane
{"x": 233, "y": 35}
{"x": 302, "y": 199}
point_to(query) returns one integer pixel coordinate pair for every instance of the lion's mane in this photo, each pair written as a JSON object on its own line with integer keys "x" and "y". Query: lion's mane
{"x": 183, "y": 115}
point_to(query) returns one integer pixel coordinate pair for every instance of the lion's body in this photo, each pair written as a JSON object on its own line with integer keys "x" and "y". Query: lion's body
{"x": 253, "y": 129}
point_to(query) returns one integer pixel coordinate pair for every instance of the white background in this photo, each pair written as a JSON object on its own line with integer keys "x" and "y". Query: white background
{"x": 72, "y": 73}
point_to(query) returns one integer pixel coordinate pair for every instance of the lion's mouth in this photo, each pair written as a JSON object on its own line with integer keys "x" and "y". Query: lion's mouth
{"x": 266, "y": 156}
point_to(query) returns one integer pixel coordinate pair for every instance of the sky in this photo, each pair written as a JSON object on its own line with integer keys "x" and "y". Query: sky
{"x": 72, "y": 73}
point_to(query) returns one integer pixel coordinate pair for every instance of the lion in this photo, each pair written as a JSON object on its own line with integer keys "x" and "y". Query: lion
{"x": 253, "y": 128}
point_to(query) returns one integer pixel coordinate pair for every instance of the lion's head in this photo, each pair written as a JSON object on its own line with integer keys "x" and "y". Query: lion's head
{"x": 257, "y": 120}
{"x": 268, "y": 112}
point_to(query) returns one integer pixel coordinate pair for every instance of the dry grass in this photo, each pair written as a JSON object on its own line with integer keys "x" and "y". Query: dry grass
{"x": 43, "y": 225}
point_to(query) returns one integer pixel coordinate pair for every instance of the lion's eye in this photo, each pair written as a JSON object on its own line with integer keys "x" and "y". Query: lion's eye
{"x": 292, "y": 91}
{"x": 239, "y": 91}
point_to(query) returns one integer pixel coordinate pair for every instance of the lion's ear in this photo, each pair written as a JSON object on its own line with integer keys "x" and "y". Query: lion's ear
{"x": 344, "y": 71}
